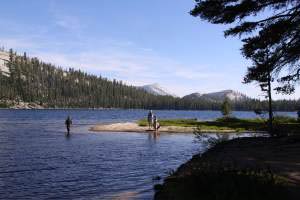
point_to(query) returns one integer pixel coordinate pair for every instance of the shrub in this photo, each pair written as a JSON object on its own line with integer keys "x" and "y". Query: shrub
{"x": 3, "y": 105}
{"x": 284, "y": 119}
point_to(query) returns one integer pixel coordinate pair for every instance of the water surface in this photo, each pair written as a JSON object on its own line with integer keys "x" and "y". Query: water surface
{"x": 37, "y": 160}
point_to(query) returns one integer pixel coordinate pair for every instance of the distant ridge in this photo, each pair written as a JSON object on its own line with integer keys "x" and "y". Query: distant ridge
{"x": 218, "y": 96}
{"x": 156, "y": 89}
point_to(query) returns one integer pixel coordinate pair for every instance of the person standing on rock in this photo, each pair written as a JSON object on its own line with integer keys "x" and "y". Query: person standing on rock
{"x": 68, "y": 123}
{"x": 150, "y": 119}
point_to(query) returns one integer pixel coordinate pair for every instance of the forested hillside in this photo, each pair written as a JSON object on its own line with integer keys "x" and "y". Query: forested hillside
{"x": 31, "y": 80}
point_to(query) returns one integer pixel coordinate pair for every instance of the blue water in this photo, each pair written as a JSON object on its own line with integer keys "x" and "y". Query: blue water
{"x": 37, "y": 160}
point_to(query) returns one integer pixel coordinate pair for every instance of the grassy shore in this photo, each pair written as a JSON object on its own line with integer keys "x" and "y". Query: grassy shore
{"x": 284, "y": 125}
{"x": 235, "y": 124}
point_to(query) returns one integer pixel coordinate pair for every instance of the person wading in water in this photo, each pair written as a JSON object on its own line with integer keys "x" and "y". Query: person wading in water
{"x": 150, "y": 119}
{"x": 68, "y": 123}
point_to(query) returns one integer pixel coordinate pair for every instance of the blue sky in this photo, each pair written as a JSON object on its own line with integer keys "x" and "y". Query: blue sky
{"x": 137, "y": 41}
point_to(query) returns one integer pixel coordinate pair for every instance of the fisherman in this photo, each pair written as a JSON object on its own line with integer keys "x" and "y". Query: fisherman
{"x": 68, "y": 123}
{"x": 156, "y": 124}
{"x": 150, "y": 119}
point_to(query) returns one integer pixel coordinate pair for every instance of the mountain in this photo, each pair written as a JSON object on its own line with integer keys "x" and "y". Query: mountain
{"x": 27, "y": 82}
{"x": 156, "y": 89}
{"x": 218, "y": 96}
{"x": 193, "y": 96}
{"x": 4, "y": 56}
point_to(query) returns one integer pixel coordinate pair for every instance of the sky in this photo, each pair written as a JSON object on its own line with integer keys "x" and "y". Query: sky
{"x": 137, "y": 41}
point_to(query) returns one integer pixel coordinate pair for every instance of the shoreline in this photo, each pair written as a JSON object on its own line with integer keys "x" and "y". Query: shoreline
{"x": 62, "y": 108}
{"x": 241, "y": 154}
{"x": 134, "y": 127}
{"x": 16, "y": 107}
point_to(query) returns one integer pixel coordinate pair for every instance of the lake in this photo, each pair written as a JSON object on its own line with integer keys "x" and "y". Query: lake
{"x": 37, "y": 160}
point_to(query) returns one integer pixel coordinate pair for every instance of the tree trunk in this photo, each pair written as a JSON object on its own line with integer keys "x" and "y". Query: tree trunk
{"x": 270, "y": 122}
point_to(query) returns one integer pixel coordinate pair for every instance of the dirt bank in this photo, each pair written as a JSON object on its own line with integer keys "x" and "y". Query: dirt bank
{"x": 281, "y": 156}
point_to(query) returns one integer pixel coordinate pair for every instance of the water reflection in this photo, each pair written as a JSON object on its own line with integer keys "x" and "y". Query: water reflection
{"x": 127, "y": 195}
{"x": 68, "y": 135}
{"x": 153, "y": 136}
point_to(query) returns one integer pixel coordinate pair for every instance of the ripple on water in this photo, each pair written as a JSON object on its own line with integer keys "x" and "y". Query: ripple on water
{"x": 38, "y": 162}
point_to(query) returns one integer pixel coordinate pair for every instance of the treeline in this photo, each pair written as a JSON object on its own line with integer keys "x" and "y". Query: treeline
{"x": 31, "y": 80}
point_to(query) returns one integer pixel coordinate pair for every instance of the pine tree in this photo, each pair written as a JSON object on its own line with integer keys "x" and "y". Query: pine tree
{"x": 226, "y": 108}
{"x": 264, "y": 78}
{"x": 277, "y": 30}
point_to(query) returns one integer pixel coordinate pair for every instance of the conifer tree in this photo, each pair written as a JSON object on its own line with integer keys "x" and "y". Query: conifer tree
{"x": 264, "y": 79}
{"x": 226, "y": 108}
{"x": 264, "y": 25}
